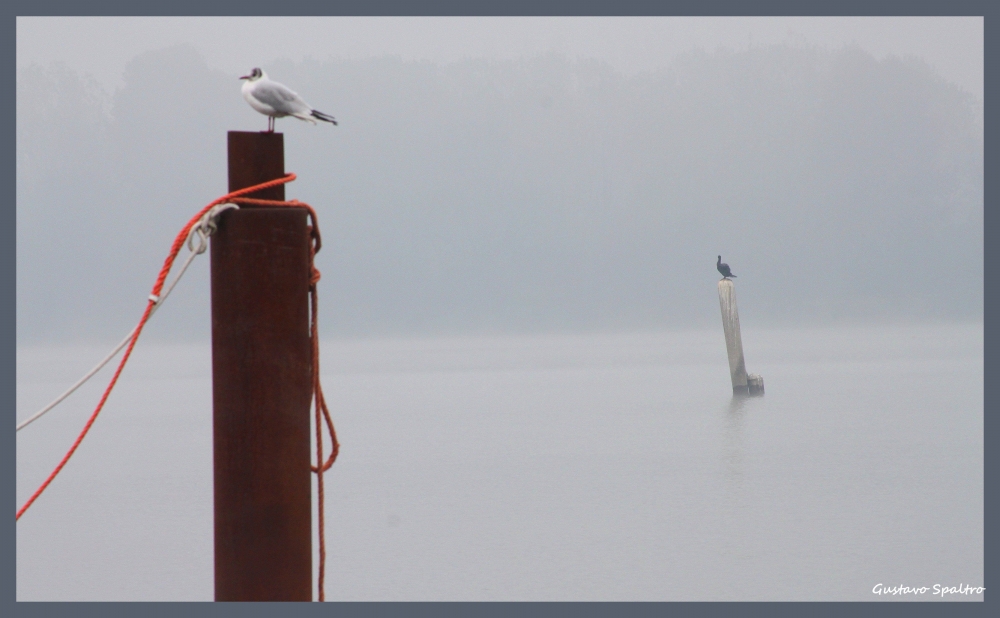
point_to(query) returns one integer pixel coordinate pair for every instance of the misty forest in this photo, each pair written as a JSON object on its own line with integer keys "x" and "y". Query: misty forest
{"x": 548, "y": 193}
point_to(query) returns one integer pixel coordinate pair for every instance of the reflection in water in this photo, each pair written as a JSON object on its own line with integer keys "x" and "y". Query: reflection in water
{"x": 733, "y": 438}
{"x": 734, "y": 499}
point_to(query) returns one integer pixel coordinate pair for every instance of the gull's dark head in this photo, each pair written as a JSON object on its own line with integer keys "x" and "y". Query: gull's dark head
{"x": 254, "y": 75}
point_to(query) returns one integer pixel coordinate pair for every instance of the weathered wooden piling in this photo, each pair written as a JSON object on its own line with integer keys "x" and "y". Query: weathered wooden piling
{"x": 734, "y": 343}
{"x": 743, "y": 384}
{"x": 261, "y": 382}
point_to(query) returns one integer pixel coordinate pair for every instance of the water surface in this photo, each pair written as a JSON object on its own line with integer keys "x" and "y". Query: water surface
{"x": 590, "y": 467}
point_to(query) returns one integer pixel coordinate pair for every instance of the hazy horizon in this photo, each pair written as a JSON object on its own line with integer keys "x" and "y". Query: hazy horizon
{"x": 549, "y": 183}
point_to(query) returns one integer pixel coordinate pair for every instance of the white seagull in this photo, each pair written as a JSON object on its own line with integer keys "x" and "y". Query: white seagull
{"x": 276, "y": 100}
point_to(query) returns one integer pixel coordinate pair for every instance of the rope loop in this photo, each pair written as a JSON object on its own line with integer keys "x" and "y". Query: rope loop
{"x": 207, "y": 226}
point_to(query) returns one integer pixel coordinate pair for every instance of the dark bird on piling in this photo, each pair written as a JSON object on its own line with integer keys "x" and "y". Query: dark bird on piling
{"x": 724, "y": 269}
{"x": 275, "y": 100}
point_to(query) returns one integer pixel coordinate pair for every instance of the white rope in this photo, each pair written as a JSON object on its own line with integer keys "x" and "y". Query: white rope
{"x": 203, "y": 229}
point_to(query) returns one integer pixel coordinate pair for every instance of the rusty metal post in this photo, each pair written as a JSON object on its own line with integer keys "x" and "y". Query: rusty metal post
{"x": 261, "y": 387}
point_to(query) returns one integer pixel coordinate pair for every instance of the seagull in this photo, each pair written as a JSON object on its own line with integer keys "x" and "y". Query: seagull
{"x": 724, "y": 269}
{"x": 276, "y": 100}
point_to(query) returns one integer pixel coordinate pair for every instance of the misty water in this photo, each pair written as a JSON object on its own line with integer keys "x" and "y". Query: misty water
{"x": 555, "y": 467}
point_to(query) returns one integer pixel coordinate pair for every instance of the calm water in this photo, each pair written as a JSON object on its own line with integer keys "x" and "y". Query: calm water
{"x": 606, "y": 467}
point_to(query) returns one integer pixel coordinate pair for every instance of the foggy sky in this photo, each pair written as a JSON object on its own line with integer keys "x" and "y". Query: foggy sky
{"x": 541, "y": 187}
{"x": 103, "y": 46}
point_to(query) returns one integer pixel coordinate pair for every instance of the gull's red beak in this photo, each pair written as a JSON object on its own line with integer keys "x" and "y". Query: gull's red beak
{"x": 245, "y": 77}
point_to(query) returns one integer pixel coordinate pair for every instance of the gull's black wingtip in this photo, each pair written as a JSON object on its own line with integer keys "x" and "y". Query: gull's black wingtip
{"x": 324, "y": 117}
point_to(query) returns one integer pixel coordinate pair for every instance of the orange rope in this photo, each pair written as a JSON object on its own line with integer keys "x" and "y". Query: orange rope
{"x": 234, "y": 197}
{"x": 322, "y": 412}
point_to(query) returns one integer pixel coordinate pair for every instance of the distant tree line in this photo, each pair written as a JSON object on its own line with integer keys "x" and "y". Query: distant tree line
{"x": 544, "y": 193}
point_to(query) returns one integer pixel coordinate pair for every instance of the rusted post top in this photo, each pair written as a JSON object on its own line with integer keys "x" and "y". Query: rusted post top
{"x": 256, "y": 157}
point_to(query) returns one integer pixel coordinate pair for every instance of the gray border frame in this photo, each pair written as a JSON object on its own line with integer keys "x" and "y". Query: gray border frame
{"x": 488, "y": 8}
